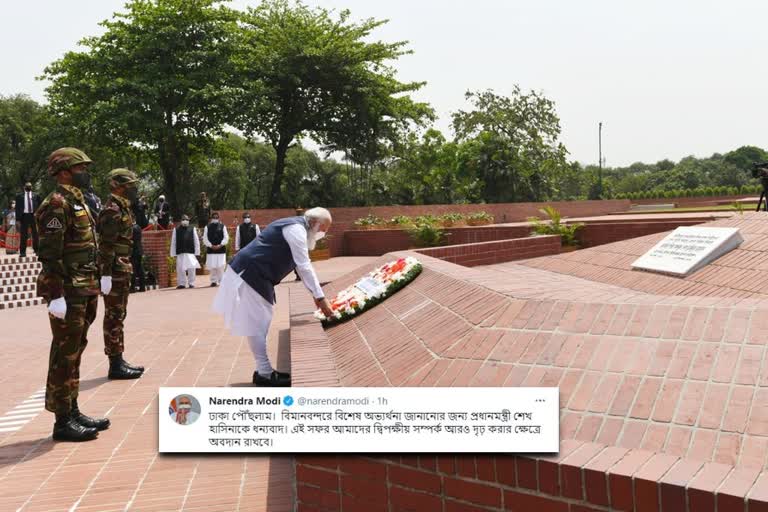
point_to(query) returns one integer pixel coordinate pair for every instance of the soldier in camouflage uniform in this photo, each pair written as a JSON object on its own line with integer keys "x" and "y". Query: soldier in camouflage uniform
{"x": 68, "y": 283}
{"x": 115, "y": 247}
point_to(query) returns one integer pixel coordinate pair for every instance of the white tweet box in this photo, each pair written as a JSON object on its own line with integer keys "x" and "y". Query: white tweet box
{"x": 359, "y": 420}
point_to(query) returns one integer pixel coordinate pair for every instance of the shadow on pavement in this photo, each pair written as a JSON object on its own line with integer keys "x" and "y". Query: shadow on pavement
{"x": 85, "y": 385}
{"x": 15, "y": 453}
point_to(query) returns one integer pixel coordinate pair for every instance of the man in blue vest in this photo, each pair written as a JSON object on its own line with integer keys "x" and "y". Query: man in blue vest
{"x": 247, "y": 293}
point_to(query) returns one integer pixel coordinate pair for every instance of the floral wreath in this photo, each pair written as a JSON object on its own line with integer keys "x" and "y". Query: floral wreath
{"x": 371, "y": 290}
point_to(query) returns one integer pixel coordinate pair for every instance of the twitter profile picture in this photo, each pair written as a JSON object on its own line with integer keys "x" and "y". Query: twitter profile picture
{"x": 184, "y": 409}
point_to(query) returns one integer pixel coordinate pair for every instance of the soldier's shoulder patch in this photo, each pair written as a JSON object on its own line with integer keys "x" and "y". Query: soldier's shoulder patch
{"x": 57, "y": 200}
{"x": 54, "y": 224}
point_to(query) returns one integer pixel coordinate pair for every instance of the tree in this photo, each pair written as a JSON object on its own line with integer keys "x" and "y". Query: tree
{"x": 516, "y": 146}
{"x": 160, "y": 77}
{"x": 307, "y": 72}
{"x": 24, "y": 126}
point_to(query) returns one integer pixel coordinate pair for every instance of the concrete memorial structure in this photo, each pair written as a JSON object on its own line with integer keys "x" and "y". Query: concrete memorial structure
{"x": 687, "y": 249}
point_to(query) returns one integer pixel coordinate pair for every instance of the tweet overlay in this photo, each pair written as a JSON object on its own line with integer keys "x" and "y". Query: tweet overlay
{"x": 359, "y": 420}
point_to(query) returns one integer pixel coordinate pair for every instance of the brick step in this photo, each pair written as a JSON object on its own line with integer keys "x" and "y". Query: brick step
{"x": 9, "y": 297}
{"x": 8, "y": 281}
{"x": 21, "y": 303}
{"x": 8, "y": 260}
{"x": 14, "y": 288}
{"x": 19, "y": 273}
{"x": 20, "y": 266}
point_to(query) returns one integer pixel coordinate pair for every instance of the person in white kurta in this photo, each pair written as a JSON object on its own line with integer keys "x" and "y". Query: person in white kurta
{"x": 186, "y": 261}
{"x": 247, "y": 306}
{"x": 251, "y": 230}
{"x": 215, "y": 262}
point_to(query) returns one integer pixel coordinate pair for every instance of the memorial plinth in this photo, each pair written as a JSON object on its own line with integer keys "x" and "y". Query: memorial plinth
{"x": 687, "y": 249}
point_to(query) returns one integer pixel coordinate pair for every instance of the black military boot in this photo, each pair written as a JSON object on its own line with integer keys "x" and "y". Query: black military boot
{"x": 133, "y": 366}
{"x": 119, "y": 369}
{"x": 87, "y": 421}
{"x": 67, "y": 429}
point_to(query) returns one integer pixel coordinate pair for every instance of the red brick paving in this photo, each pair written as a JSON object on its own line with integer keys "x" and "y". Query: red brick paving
{"x": 663, "y": 378}
{"x": 173, "y": 334}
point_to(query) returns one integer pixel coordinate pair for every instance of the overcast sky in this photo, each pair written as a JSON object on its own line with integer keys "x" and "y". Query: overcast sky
{"x": 667, "y": 78}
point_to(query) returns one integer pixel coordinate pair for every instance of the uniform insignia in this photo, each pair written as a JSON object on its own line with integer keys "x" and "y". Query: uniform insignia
{"x": 80, "y": 213}
{"x": 77, "y": 207}
{"x": 54, "y": 224}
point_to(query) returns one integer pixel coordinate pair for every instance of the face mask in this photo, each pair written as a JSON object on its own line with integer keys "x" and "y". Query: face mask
{"x": 247, "y": 221}
{"x": 320, "y": 235}
{"x": 185, "y": 223}
{"x": 81, "y": 180}
{"x": 130, "y": 194}
{"x": 214, "y": 221}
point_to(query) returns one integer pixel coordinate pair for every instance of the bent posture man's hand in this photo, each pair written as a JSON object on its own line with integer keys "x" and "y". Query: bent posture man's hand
{"x": 324, "y": 306}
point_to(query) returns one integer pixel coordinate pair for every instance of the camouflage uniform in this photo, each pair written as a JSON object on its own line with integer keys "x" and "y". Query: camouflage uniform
{"x": 115, "y": 247}
{"x": 67, "y": 252}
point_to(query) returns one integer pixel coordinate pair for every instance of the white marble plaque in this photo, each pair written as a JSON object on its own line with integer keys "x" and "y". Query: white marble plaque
{"x": 687, "y": 249}
{"x": 370, "y": 286}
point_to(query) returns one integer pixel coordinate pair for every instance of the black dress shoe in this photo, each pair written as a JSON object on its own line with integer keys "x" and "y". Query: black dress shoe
{"x": 180, "y": 287}
{"x": 214, "y": 285}
{"x": 191, "y": 286}
{"x": 273, "y": 381}
{"x": 119, "y": 369}
{"x": 282, "y": 375}
{"x": 67, "y": 429}
{"x": 87, "y": 421}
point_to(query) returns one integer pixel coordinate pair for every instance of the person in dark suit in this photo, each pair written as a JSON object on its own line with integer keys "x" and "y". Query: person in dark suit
{"x": 26, "y": 204}
{"x": 163, "y": 212}
{"x": 137, "y": 252}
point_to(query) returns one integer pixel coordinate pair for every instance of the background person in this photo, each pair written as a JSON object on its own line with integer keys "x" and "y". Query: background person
{"x": 163, "y": 212}
{"x": 27, "y": 202}
{"x": 202, "y": 210}
{"x": 185, "y": 247}
{"x": 246, "y": 232}
{"x": 215, "y": 238}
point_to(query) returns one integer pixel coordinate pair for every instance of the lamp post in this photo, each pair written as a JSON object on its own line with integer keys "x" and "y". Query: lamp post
{"x": 600, "y": 158}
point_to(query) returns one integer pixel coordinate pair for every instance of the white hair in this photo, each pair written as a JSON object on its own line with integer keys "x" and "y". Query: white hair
{"x": 317, "y": 213}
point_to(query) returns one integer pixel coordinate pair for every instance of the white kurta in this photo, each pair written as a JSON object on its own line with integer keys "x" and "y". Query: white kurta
{"x": 186, "y": 261}
{"x": 237, "y": 236}
{"x": 215, "y": 261}
{"x": 246, "y": 313}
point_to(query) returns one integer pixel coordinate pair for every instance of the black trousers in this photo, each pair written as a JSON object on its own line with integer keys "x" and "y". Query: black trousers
{"x": 27, "y": 222}
{"x": 138, "y": 273}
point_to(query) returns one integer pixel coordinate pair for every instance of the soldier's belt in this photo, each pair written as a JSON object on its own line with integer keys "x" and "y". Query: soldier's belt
{"x": 80, "y": 257}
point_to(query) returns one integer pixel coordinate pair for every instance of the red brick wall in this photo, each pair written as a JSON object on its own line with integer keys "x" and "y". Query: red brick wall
{"x": 583, "y": 477}
{"x": 377, "y": 242}
{"x": 599, "y": 233}
{"x": 344, "y": 218}
{"x": 156, "y": 248}
{"x": 694, "y": 201}
{"x": 489, "y": 253}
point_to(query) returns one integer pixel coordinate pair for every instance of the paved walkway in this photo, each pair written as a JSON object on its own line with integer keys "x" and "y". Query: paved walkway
{"x": 174, "y": 335}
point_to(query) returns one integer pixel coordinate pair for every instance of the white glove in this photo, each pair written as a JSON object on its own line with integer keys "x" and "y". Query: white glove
{"x": 106, "y": 284}
{"x": 58, "y": 308}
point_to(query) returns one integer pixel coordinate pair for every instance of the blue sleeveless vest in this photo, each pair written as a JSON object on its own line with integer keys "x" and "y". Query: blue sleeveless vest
{"x": 264, "y": 262}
